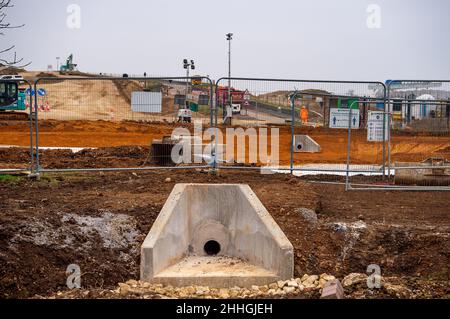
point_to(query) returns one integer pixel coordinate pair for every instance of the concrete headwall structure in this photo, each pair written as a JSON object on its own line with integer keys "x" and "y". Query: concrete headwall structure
{"x": 232, "y": 218}
{"x": 305, "y": 144}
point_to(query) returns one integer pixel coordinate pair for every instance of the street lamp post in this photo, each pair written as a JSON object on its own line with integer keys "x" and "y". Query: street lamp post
{"x": 57, "y": 63}
{"x": 229, "y": 38}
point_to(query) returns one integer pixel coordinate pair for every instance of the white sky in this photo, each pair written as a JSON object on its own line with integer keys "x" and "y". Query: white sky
{"x": 321, "y": 39}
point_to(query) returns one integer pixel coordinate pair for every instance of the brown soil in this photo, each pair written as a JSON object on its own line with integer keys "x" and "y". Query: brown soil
{"x": 405, "y": 148}
{"x": 99, "y": 221}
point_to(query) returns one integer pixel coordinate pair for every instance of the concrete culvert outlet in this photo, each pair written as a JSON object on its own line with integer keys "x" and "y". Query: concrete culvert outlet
{"x": 305, "y": 144}
{"x": 212, "y": 248}
{"x": 217, "y": 236}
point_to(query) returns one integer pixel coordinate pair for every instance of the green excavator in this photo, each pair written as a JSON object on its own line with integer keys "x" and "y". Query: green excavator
{"x": 69, "y": 66}
{"x": 13, "y": 98}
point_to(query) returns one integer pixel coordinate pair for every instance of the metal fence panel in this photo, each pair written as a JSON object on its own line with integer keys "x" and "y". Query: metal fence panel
{"x": 267, "y": 103}
{"x": 370, "y": 141}
{"x": 16, "y": 131}
{"x": 420, "y": 130}
{"x": 103, "y": 123}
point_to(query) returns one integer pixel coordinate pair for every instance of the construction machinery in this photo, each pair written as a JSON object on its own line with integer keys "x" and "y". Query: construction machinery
{"x": 185, "y": 115}
{"x": 69, "y": 66}
{"x": 13, "y": 99}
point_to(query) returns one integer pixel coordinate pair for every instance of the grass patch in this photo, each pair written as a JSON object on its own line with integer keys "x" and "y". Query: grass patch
{"x": 10, "y": 178}
{"x": 52, "y": 180}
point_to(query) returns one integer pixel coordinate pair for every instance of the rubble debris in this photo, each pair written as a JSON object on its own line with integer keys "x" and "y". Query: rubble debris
{"x": 354, "y": 278}
{"x": 308, "y": 214}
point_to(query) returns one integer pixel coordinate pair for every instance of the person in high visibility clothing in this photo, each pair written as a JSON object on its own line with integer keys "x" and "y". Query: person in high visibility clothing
{"x": 304, "y": 114}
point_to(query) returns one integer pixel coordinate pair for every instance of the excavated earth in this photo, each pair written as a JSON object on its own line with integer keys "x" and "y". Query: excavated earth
{"x": 111, "y": 138}
{"x": 99, "y": 220}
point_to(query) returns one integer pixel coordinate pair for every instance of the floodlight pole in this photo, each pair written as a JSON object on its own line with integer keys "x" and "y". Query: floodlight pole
{"x": 229, "y": 38}
{"x": 187, "y": 64}
{"x": 187, "y": 81}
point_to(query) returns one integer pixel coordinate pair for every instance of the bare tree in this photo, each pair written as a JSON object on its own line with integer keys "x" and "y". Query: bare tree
{"x": 4, "y": 25}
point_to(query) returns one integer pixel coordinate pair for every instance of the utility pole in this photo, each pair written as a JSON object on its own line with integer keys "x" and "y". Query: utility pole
{"x": 229, "y": 38}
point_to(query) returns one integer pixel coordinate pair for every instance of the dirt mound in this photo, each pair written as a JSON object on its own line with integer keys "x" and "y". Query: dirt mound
{"x": 14, "y": 157}
{"x": 77, "y": 73}
{"x": 10, "y": 70}
{"x": 126, "y": 156}
{"x": 83, "y": 99}
{"x": 46, "y": 75}
{"x": 126, "y": 87}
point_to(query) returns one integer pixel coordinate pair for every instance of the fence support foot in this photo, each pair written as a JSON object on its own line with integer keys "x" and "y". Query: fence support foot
{"x": 213, "y": 171}
{"x": 34, "y": 176}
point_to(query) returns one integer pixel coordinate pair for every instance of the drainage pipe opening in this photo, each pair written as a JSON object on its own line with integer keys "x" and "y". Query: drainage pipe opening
{"x": 212, "y": 248}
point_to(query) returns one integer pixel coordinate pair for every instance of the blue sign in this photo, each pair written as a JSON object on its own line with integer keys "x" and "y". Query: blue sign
{"x": 42, "y": 92}
{"x": 380, "y": 106}
{"x": 30, "y": 92}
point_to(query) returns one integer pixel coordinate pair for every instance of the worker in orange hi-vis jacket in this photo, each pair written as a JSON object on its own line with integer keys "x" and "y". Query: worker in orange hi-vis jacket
{"x": 304, "y": 114}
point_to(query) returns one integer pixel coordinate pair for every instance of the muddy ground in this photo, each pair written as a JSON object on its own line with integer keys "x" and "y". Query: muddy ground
{"x": 99, "y": 220}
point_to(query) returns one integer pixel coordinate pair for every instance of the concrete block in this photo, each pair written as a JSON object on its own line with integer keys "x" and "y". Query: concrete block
{"x": 333, "y": 290}
{"x": 216, "y": 235}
